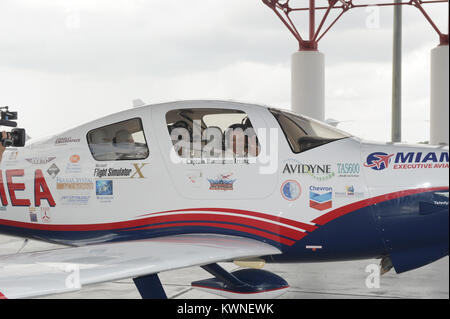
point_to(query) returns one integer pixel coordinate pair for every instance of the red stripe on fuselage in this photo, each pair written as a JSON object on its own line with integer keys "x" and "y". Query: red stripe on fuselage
{"x": 321, "y": 220}
{"x": 278, "y": 229}
{"x": 277, "y": 219}
{"x": 288, "y": 232}
{"x": 228, "y": 226}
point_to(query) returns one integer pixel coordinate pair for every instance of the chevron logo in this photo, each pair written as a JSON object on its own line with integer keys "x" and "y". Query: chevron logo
{"x": 320, "y": 198}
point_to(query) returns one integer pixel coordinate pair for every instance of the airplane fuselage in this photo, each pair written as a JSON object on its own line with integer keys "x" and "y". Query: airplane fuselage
{"x": 342, "y": 200}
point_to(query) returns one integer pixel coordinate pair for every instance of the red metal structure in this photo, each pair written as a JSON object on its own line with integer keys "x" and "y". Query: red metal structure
{"x": 283, "y": 9}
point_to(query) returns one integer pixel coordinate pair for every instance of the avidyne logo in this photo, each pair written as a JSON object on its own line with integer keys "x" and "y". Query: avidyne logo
{"x": 307, "y": 169}
{"x": 320, "y": 172}
{"x": 407, "y": 160}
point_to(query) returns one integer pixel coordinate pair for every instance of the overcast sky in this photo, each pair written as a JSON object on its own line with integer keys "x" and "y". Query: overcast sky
{"x": 66, "y": 62}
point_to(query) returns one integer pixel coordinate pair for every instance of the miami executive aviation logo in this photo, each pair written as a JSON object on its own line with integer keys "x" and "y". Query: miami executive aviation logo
{"x": 407, "y": 160}
{"x": 378, "y": 161}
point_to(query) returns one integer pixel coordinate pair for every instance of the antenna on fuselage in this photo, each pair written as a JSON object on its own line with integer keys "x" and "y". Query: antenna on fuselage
{"x": 138, "y": 103}
{"x": 332, "y": 122}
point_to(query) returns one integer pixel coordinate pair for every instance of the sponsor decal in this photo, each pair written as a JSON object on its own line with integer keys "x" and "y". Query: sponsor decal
{"x": 349, "y": 192}
{"x": 320, "y": 198}
{"x": 66, "y": 140}
{"x": 74, "y": 166}
{"x": 15, "y": 182}
{"x": 319, "y": 172}
{"x": 440, "y": 199}
{"x": 104, "y": 191}
{"x": 75, "y": 200}
{"x": 40, "y": 160}
{"x": 348, "y": 169}
{"x": 45, "y": 214}
{"x": 3, "y": 208}
{"x": 379, "y": 161}
{"x": 111, "y": 173}
{"x": 291, "y": 190}
{"x": 440, "y": 203}
{"x": 53, "y": 170}
{"x": 33, "y": 215}
{"x": 75, "y": 159}
{"x": 74, "y": 183}
{"x": 222, "y": 183}
{"x": 104, "y": 187}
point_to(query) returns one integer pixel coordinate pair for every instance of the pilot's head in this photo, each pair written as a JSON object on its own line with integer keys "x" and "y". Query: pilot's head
{"x": 235, "y": 139}
{"x": 124, "y": 137}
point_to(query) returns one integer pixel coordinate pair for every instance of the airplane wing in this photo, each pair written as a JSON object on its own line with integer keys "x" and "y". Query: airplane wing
{"x": 42, "y": 273}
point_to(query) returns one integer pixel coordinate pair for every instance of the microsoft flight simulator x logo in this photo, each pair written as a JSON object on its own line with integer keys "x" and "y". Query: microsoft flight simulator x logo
{"x": 379, "y": 161}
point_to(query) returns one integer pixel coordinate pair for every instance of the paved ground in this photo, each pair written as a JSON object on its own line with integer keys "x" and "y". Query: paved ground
{"x": 307, "y": 281}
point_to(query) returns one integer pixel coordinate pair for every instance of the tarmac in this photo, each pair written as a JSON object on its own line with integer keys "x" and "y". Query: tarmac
{"x": 332, "y": 280}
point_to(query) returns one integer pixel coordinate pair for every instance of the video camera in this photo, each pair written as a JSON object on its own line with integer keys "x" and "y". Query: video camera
{"x": 17, "y": 136}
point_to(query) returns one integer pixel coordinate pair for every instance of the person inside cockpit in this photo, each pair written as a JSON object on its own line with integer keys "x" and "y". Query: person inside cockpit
{"x": 235, "y": 140}
{"x": 124, "y": 144}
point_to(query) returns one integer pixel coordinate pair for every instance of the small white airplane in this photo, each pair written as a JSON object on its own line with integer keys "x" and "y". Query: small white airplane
{"x": 194, "y": 183}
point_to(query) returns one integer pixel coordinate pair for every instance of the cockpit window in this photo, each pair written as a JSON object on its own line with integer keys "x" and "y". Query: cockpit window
{"x": 304, "y": 133}
{"x": 119, "y": 141}
{"x": 212, "y": 133}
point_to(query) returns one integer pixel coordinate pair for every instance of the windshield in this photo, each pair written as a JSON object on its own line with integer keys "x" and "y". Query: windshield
{"x": 304, "y": 133}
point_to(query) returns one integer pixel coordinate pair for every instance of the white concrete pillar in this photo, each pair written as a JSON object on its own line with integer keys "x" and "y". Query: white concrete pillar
{"x": 308, "y": 84}
{"x": 439, "y": 95}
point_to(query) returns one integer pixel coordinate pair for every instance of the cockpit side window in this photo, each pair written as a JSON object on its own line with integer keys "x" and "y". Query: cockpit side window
{"x": 212, "y": 133}
{"x": 119, "y": 141}
{"x": 304, "y": 133}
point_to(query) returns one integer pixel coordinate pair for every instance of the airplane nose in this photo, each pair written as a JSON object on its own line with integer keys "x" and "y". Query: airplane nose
{"x": 415, "y": 228}
{"x": 413, "y": 214}
{"x": 413, "y": 217}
